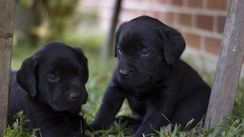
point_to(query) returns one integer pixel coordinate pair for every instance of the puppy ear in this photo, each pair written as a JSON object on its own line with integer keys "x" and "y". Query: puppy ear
{"x": 26, "y": 76}
{"x": 117, "y": 34}
{"x": 174, "y": 44}
{"x": 83, "y": 61}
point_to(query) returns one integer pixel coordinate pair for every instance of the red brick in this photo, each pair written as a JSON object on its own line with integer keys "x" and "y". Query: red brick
{"x": 170, "y": 16}
{"x": 158, "y": 1}
{"x": 205, "y": 22}
{"x": 193, "y": 40}
{"x": 195, "y": 3}
{"x": 212, "y": 45}
{"x": 154, "y": 14}
{"x": 177, "y": 2}
{"x": 164, "y": 1}
{"x": 166, "y": 17}
{"x": 132, "y": 12}
{"x": 162, "y": 16}
{"x": 220, "y": 24}
{"x": 185, "y": 19}
{"x": 217, "y": 5}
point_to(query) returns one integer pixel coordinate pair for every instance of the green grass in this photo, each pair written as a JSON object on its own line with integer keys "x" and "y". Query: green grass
{"x": 99, "y": 75}
{"x": 17, "y": 129}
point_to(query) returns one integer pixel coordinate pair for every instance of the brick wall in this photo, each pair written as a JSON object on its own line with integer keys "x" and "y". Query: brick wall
{"x": 200, "y": 21}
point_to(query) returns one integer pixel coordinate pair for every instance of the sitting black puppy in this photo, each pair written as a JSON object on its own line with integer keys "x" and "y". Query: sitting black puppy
{"x": 50, "y": 89}
{"x": 160, "y": 88}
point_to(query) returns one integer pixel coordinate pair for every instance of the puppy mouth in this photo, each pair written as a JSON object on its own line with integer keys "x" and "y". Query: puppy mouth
{"x": 66, "y": 106}
{"x": 75, "y": 109}
{"x": 135, "y": 80}
{"x": 68, "y": 109}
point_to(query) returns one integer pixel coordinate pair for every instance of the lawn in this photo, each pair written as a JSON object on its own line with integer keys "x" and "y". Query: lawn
{"x": 99, "y": 74}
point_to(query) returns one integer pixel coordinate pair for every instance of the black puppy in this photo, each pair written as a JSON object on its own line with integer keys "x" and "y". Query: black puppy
{"x": 50, "y": 89}
{"x": 159, "y": 87}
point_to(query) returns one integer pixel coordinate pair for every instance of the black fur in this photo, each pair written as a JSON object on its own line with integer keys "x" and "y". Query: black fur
{"x": 50, "y": 89}
{"x": 151, "y": 76}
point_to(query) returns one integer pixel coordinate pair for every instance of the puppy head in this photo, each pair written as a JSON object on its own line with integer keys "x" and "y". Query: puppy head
{"x": 56, "y": 75}
{"x": 145, "y": 48}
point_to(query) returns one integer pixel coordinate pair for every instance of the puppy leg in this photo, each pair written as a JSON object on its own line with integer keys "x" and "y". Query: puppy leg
{"x": 157, "y": 116}
{"x": 129, "y": 123}
{"x": 193, "y": 107}
{"x": 110, "y": 106}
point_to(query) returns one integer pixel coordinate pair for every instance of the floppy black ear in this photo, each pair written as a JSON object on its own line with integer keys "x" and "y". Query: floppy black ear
{"x": 26, "y": 76}
{"x": 174, "y": 44}
{"x": 117, "y": 34}
{"x": 83, "y": 61}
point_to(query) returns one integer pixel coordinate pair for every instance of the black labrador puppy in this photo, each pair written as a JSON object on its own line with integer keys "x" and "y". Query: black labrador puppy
{"x": 50, "y": 89}
{"x": 160, "y": 88}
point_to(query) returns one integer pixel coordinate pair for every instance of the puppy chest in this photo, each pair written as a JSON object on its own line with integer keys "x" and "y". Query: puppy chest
{"x": 138, "y": 106}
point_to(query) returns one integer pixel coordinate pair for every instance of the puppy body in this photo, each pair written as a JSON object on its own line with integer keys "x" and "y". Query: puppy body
{"x": 159, "y": 87}
{"x": 50, "y": 92}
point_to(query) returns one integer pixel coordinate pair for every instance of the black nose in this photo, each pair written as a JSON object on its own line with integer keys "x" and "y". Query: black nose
{"x": 124, "y": 73}
{"x": 73, "y": 96}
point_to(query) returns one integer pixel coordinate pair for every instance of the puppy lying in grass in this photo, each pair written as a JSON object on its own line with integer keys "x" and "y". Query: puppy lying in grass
{"x": 160, "y": 88}
{"x": 50, "y": 89}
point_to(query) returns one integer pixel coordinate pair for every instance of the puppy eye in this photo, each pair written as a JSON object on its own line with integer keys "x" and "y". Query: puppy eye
{"x": 145, "y": 52}
{"x": 119, "y": 50}
{"x": 53, "y": 77}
